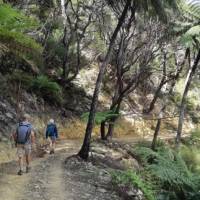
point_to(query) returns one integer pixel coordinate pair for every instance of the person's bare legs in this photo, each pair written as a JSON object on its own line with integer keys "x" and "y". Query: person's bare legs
{"x": 28, "y": 160}
{"x": 53, "y": 145}
{"x": 28, "y": 157}
{"x": 50, "y": 145}
{"x": 20, "y": 161}
{"x": 20, "y": 154}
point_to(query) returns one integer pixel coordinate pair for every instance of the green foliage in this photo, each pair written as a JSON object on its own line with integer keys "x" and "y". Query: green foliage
{"x": 195, "y": 137}
{"x": 191, "y": 104}
{"x": 41, "y": 85}
{"x": 190, "y": 9}
{"x": 191, "y": 36}
{"x": 98, "y": 44}
{"x": 48, "y": 89}
{"x": 191, "y": 156}
{"x": 130, "y": 178}
{"x": 189, "y": 27}
{"x": 13, "y": 25}
{"x": 101, "y": 116}
{"x": 12, "y": 19}
{"x": 171, "y": 172}
{"x": 20, "y": 78}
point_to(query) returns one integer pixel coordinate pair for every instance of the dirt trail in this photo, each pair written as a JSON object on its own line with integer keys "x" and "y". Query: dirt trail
{"x": 44, "y": 182}
{"x": 54, "y": 177}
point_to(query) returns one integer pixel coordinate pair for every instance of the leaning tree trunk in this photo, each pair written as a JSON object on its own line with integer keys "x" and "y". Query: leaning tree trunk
{"x": 158, "y": 90}
{"x": 183, "y": 101}
{"x": 156, "y": 133}
{"x": 163, "y": 81}
{"x": 84, "y": 152}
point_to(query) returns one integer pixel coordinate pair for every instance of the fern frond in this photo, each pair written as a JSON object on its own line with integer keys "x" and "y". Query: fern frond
{"x": 13, "y": 28}
{"x": 101, "y": 116}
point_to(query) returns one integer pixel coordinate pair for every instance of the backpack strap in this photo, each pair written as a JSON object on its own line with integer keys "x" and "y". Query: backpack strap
{"x": 28, "y": 133}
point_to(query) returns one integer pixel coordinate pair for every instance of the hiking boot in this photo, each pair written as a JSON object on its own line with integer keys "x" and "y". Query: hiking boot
{"x": 51, "y": 152}
{"x": 28, "y": 169}
{"x": 20, "y": 172}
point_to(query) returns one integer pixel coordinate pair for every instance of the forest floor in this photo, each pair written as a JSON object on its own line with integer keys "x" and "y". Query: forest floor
{"x": 56, "y": 177}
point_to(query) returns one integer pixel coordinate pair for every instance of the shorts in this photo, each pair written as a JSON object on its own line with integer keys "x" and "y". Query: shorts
{"x": 23, "y": 150}
{"x": 52, "y": 138}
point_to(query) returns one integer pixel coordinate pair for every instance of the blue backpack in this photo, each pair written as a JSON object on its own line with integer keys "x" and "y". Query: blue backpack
{"x": 23, "y": 133}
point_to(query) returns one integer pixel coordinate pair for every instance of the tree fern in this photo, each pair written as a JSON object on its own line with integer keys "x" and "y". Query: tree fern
{"x": 13, "y": 28}
{"x": 48, "y": 89}
{"x": 153, "y": 7}
{"x": 101, "y": 116}
{"x": 170, "y": 171}
{"x": 189, "y": 27}
{"x": 190, "y": 9}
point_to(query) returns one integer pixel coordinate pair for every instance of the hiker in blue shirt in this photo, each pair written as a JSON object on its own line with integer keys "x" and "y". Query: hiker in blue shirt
{"x": 52, "y": 135}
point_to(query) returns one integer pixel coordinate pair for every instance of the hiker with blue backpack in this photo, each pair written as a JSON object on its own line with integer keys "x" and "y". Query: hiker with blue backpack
{"x": 52, "y": 135}
{"x": 24, "y": 140}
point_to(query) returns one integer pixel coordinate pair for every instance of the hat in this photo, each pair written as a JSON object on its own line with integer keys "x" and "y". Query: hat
{"x": 51, "y": 121}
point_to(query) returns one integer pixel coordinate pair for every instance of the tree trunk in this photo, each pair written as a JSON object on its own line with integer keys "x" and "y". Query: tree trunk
{"x": 183, "y": 101}
{"x": 112, "y": 124}
{"x": 156, "y": 95}
{"x": 63, "y": 12}
{"x": 156, "y": 133}
{"x": 155, "y": 136}
{"x": 103, "y": 134}
{"x": 84, "y": 152}
{"x": 111, "y": 129}
{"x": 65, "y": 63}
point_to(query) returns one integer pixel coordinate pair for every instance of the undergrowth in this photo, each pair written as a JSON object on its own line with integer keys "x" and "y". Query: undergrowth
{"x": 131, "y": 178}
{"x": 170, "y": 172}
{"x": 48, "y": 89}
{"x": 41, "y": 85}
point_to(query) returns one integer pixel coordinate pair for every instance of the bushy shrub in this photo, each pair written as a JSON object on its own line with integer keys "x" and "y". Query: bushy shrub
{"x": 195, "y": 138}
{"x": 130, "y": 178}
{"x": 41, "y": 85}
{"x": 191, "y": 156}
{"x": 21, "y": 78}
{"x": 48, "y": 89}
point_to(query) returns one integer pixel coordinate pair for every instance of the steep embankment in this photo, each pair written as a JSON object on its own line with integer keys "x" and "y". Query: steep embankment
{"x": 14, "y": 102}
